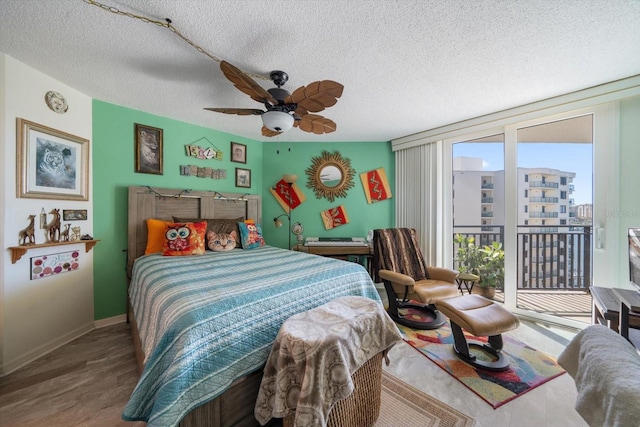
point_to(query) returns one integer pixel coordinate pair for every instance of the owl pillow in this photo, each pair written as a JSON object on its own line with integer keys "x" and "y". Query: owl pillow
{"x": 184, "y": 238}
{"x": 250, "y": 235}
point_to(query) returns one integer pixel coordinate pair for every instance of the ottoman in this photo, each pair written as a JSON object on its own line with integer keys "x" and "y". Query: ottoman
{"x": 480, "y": 317}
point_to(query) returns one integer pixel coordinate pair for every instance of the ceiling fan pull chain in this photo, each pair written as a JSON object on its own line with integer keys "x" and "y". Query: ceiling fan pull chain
{"x": 168, "y": 25}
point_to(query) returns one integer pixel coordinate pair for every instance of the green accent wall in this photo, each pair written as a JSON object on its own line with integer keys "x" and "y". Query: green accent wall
{"x": 364, "y": 156}
{"x": 113, "y": 172}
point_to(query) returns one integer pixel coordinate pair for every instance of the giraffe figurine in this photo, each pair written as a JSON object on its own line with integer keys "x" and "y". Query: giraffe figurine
{"x": 53, "y": 228}
{"x": 27, "y": 235}
{"x": 64, "y": 234}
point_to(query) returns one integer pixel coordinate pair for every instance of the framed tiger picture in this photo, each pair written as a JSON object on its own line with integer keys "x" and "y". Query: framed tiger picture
{"x": 51, "y": 164}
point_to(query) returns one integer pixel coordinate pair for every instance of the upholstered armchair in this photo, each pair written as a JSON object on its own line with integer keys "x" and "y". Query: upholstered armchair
{"x": 412, "y": 287}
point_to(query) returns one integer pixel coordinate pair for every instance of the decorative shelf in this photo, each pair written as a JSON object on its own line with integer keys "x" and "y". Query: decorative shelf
{"x": 18, "y": 251}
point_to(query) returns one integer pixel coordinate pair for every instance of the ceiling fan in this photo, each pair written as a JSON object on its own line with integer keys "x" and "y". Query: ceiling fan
{"x": 284, "y": 110}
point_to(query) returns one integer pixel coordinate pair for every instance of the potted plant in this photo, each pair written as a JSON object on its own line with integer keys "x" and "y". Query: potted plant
{"x": 487, "y": 262}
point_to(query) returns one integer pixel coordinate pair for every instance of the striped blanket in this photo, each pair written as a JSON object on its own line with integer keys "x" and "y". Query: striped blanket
{"x": 208, "y": 320}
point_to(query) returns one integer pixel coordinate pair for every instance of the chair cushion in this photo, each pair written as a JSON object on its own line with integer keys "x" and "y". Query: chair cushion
{"x": 478, "y": 315}
{"x": 430, "y": 290}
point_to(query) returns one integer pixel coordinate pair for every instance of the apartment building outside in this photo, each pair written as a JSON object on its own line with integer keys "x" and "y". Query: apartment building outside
{"x": 553, "y": 246}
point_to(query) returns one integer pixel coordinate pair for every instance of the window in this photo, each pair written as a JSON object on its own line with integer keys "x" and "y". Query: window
{"x": 526, "y": 208}
{"x": 563, "y": 209}
{"x": 563, "y": 180}
{"x": 526, "y": 178}
{"x": 526, "y": 193}
{"x": 563, "y": 195}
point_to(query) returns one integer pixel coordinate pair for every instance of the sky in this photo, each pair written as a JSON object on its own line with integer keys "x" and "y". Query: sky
{"x": 568, "y": 157}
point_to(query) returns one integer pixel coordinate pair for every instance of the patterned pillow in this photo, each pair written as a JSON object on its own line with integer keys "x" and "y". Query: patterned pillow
{"x": 250, "y": 235}
{"x": 184, "y": 238}
{"x": 155, "y": 235}
{"x": 221, "y": 242}
{"x": 217, "y": 225}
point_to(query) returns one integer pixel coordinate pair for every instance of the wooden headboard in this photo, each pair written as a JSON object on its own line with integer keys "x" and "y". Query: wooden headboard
{"x": 162, "y": 203}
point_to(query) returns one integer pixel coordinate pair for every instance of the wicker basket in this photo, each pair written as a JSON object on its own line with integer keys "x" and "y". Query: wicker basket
{"x": 362, "y": 407}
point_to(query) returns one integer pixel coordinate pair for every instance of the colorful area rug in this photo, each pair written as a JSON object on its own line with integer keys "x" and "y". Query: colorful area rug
{"x": 528, "y": 368}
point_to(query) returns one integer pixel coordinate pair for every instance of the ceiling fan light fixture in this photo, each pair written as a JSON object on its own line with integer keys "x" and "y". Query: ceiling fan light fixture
{"x": 277, "y": 121}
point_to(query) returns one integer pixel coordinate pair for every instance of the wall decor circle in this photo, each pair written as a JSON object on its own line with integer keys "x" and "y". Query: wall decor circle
{"x": 56, "y": 102}
{"x": 330, "y": 175}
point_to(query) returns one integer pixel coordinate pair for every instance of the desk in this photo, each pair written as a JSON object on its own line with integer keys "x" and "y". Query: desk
{"x": 629, "y": 305}
{"x": 606, "y": 308}
{"x": 341, "y": 252}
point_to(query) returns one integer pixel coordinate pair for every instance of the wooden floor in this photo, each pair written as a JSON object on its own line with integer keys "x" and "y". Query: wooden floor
{"x": 88, "y": 382}
{"x": 84, "y": 384}
{"x": 80, "y": 384}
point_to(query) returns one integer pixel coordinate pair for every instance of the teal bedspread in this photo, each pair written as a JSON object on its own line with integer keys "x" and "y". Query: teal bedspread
{"x": 208, "y": 320}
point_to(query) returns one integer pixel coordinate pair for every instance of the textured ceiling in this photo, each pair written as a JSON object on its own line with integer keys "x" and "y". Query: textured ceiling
{"x": 407, "y": 66}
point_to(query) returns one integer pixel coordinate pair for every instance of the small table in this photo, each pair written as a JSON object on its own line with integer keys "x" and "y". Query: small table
{"x": 607, "y": 306}
{"x": 629, "y": 304}
{"x": 468, "y": 280}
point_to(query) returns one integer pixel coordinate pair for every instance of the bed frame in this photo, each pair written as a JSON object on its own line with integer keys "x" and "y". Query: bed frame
{"x": 235, "y": 406}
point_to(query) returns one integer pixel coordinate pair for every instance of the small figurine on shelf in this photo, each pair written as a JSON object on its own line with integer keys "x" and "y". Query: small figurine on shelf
{"x": 64, "y": 235}
{"x": 53, "y": 227}
{"x": 75, "y": 233}
{"x": 86, "y": 237}
{"x": 27, "y": 236}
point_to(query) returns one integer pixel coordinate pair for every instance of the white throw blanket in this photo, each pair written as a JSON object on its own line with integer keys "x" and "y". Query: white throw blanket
{"x": 606, "y": 369}
{"x": 315, "y": 354}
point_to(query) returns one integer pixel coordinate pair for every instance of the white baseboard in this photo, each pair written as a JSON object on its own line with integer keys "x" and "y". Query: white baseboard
{"x": 44, "y": 349}
{"x": 103, "y": 323}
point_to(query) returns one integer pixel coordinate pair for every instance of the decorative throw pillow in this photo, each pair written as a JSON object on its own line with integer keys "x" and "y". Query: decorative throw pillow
{"x": 155, "y": 235}
{"x": 221, "y": 242}
{"x": 218, "y": 225}
{"x": 184, "y": 238}
{"x": 250, "y": 235}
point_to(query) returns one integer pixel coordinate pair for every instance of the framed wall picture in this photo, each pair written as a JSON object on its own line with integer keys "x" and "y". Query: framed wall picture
{"x": 51, "y": 164}
{"x": 74, "y": 214}
{"x": 243, "y": 178}
{"x": 238, "y": 153}
{"x": 148, "y": 149}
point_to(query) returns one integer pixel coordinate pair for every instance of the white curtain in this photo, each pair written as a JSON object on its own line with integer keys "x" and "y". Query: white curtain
{"x": 419, "y": 196}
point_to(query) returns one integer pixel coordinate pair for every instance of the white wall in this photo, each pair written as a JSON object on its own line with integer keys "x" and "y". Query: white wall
{"x": 629, "y": 176}
{"x": 37, "y": 316}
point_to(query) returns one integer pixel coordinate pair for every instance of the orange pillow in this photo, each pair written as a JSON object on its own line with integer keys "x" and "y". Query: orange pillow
{"x": 155, "y": 235}
{"x": 184, "y": 238}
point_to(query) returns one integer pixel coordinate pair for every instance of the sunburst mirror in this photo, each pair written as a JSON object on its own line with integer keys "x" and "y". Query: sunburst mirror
{"x": 330, "y": 175}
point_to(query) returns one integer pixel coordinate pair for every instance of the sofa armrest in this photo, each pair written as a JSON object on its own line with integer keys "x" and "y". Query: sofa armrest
{"x": 444, "y": 274}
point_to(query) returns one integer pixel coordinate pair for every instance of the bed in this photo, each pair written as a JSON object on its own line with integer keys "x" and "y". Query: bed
{"x": 203, "y": 325}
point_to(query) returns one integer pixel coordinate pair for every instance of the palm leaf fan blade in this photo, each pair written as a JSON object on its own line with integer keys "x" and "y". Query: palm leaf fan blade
{"x": 316, "y": 96}
{"x": 238, "y": 111}
{"x": 268, "y": 132}
{"x": 246, "y": 84}
{"x": 314, "y": 123}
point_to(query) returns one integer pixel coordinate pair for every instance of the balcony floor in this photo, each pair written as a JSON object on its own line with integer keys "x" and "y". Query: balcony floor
{"x": 575, "y": 305}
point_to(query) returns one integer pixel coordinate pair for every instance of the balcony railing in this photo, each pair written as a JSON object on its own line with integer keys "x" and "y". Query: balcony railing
{"x": 487, "y": 200}
{"x": 540, "y": 184}
{"x": 543, "y": 214}
{"x": 568, "y": 246}
{"x": 544, "y": 199}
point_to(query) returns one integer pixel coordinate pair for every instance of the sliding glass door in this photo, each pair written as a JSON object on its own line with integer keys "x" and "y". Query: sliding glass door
{"x": 554, "y": 217}
{"x": 525, "y": 195}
